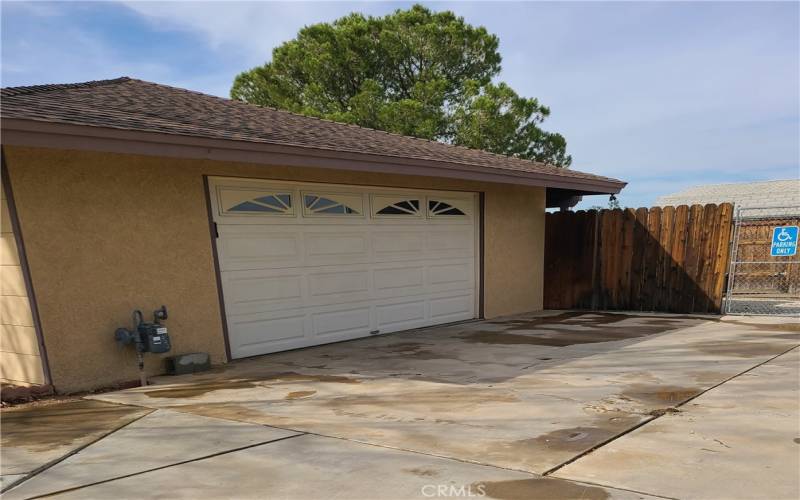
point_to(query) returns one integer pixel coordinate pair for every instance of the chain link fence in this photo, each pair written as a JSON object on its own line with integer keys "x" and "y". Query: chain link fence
{"x": 761, "y": 279}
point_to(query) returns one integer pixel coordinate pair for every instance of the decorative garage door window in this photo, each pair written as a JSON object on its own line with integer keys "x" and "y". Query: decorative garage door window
{"x": 332, "y": 204}
{"x": 276, "y": 203}
{"x": 404, "y": 207}
{"x": 437, "y": 208}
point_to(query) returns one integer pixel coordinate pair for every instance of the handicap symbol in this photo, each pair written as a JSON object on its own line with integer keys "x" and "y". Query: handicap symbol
{"x": 783, "y": 235}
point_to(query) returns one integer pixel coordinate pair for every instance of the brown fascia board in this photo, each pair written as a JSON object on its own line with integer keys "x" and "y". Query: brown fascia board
{"x": 34, "y": 133}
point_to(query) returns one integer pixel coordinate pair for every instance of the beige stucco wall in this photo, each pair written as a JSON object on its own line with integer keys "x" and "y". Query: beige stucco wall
{"x": 20, "y": 360}
{"x": 107, "y": 233}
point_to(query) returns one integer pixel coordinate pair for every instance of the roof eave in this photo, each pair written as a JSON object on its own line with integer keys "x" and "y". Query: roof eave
{"x": 35, "y": 133}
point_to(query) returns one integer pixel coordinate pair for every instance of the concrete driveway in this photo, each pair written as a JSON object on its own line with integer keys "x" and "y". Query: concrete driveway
{"x": 548, "y": 405}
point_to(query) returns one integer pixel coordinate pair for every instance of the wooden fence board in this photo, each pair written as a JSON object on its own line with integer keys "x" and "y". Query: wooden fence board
{"x": 722, "y": 256}
{"x": 639, "y": 246}
{"x": 672, "y": 259}
{"x": 677, "y": 258}
{"x": 664, "y": 261}
{"x": 652, "y": 272}
{"x": 707, "y": 255}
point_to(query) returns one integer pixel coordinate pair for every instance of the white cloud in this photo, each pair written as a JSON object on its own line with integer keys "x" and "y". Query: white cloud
{"x": 252, "y": 29}
{"x": 36, "y": 58}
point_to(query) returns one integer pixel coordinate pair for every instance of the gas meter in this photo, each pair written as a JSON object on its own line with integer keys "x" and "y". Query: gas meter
{"x": 145, "y": 337}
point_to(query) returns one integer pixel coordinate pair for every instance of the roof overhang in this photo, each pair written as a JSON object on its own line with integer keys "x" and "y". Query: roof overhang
{"x": 34, "y": 133}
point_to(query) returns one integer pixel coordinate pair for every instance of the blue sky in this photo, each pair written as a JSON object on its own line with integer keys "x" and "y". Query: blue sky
{"x": 662, "y": 95}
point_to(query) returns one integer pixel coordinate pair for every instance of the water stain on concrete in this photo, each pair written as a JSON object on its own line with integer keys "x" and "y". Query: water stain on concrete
{"x": 421, "y": 472}
{"x": 600, "y": 319}
{"x": 660, "y": 412}
{"x": 704, "y": 377}
{"x": 43, "y": 428}
{"x": 301, "y": 377}
{"x": 739, "y": 349}
{"x": 443, "y": 401}
{"x": 403, "y": 347}
{"x": 543, "y": 488}
{"x": 566, "y": 442}
{"x": 574, "y": 439}
{"x": 199, "y": 389}
{"x": 660, "y": 394}
{"x": 411, "y": 350}
{"x": 561, "y": 339}
{"x": 233, "y": 411}
{"x": 788, "y": 326}
{"x": 300, "y": 394}
{"x": 594, "y": 329}
{"x": 421, "y": 354}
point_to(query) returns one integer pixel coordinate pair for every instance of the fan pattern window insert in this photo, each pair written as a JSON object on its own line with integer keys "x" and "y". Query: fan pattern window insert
{"x": 323, "y": 205}
{"x": 278, "y": 203}
{"x": 405, "y": 207}
{"x": 436, "y": 208}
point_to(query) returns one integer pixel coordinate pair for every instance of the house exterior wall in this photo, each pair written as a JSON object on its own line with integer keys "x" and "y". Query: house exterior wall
{"x": 107, "y": 233}
{"x": 20, "y": 360}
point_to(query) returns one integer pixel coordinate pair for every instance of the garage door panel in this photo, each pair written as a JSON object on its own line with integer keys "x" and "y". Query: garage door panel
{"x": 331, "y": 245}
{"x": 302, "y": 278}
{"x": 452, "y": 308}
{"x": 249, "y": 332}
{"x": 265, "y": 289}
{"x": 400, "y": 316}
{"x": 445, "y": 242}
{"x": 258, "y": 249}
{"x": 351, "y": 321}
{"x": 338, "y": 283}
{"x": 410, "y": 276}
{"x": 447, "y": 273}
{"x": 394, "y": 244}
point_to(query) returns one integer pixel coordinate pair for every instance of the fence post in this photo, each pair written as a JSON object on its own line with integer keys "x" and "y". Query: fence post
{"x": 595, "y": 259}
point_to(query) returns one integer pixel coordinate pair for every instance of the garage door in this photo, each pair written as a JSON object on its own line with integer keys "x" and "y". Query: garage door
{"x": 308, "y": 264}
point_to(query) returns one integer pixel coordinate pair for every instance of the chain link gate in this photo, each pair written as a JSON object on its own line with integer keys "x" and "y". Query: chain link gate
{"x": 760, "y": 283}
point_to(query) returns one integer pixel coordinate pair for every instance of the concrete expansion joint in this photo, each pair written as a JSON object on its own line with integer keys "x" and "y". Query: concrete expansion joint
{"x": 60, "y": 459}
{"x": 417, "y": 452}
{"x": 138, "y": 473}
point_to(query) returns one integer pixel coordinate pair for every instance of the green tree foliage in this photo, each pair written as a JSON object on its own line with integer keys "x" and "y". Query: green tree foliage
{"x": 413, "y": 72}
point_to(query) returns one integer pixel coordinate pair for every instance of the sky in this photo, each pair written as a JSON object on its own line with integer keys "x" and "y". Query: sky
{"x": 661, "y": 95}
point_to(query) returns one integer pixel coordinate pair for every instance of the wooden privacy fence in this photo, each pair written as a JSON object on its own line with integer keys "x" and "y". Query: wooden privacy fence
{"x": 670, "y": 259}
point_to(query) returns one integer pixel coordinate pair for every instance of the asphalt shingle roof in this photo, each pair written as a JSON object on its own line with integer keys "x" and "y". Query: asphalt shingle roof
{"x": 130, "y": 104}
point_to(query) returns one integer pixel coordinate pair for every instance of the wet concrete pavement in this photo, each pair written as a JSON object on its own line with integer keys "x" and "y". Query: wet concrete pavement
{"x": 716, "y": 446}
{"x": 493, "y": 404}
{"x": 33, "y": 438}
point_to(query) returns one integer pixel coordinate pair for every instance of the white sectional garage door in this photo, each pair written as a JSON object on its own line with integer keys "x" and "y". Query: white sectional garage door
{"x": 307, "y": 264}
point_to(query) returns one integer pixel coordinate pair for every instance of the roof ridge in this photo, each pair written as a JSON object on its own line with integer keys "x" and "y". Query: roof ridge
{"x": 251, "y": 127}
{"x": 12, "y": 91}
{"x": 47, "y": 87}
{"x": 353, "y": 125}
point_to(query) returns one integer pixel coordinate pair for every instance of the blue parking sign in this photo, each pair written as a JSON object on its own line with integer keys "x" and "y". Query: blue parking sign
{"x": 784, "y": 241}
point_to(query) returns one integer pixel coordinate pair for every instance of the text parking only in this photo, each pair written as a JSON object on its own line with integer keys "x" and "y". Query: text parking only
{"x": 784, "y": 241}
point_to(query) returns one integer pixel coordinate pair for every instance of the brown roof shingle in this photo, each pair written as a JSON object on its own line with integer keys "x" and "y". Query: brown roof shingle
{"x": 130, "y": 104}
